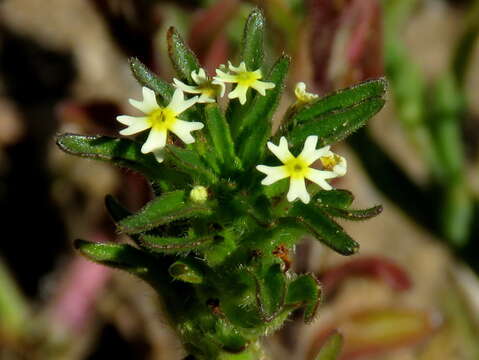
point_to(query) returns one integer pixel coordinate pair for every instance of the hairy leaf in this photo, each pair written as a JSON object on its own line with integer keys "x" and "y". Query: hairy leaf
{"x": 252, "y": 43}
{"x": 336, "y": 198}
{"x": 342, "y": 99}
{"x": 162, "y": 210}
{"x": 354, "y": 215}
{"x": 324, "y": 228}
{"x": 183, "y": 59}
{"x": 162, "y": 244}
{"x": 189, "y": 162}
{"x": 305, "y": 291}
{"x": 146, "y": 78}
{"x": 334, "y": 126}
{"x": 220, "y": 134}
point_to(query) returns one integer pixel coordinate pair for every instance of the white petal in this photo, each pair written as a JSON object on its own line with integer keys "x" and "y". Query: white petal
{"x": 183, "y": 130}
{"x": 127, "y": 119}
{"x": 324, "y": 151}
{"x": 221, "y": 85}
{"x": 341, "y": 168}
{"x": 309, "y": 149}
{"x": 199, "y": 77}
{"x": 178, "y": 104}
{"x": 240, "y": 93}
{"x": 274, "y": 173}
{"x": 156, "y": 141}
{"x": 297, "y": 189}
{"x": 224, "y": 77}
{"x": 239, "y": 69}
{"x": 140, "y": 124}
{"x": 319, "y": 178}
{"x": 205, "y": 99}
{"x": 261, "y": 86}
{"x": 149, "y": 98}
{"x": 159, "y": 155}
{"x": 281, "y": 151}
{"x": 186, "y": 88}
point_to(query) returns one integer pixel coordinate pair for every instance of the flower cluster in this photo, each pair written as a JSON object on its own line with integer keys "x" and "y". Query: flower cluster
{"x": 159, "y": 120}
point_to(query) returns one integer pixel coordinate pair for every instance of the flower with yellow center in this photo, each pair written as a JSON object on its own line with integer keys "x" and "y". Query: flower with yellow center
{"x": 160, "y": 120}
{"x": 298, "y": 168}
{"x": 302, "y": 96}
{"x": 244, "y": 79}
{"x": 208, "y": 88}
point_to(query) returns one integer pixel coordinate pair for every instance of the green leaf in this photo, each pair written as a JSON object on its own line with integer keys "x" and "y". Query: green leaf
{"x": 271, "y": 291}
{"x": 305, "y": 291}
{"x": 342, "y": 99}
{"x": 252, "y": 43}
{"x": 186, "y": 270}
{"x": 124, "y": 153}
{"x": 354, "y": 215}
{"x": 323, "y": 228}
{"x": 335, "y": 125}
{"x": 119, "y": 256}
{"x": 161, "y": 244}
{"x": 255, "y": 126}
{"x": 147, "y": 78}
{"x": 220, "y": 134}
{"x": 183, "y": 59}
{"x": 121, "y": 152}
{"x": 162, "y": 210}
{"x": 336, "y": 198}
{"x": 189, "y": 162}
{"x": 331, "y": 348}
{"x": 115, "y": 209}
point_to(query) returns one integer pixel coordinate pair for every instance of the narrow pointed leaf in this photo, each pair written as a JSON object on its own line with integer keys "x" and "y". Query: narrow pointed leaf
{"x": 317, "y": 223}
{"x": 256, "y": 124}
{"x": 331, "y": 349}
{"x": 183, "y": 59}
{"x": 336, "y": 125}
{"x": 220, "y": 135}
{"x": 119, "y": 256}
{"x": 161, "y": 244}
{"x": 252, "y": 43}
{"x": 186, "y": 270}
{"x": 162, "y": 210}
{"x": 354, "y": 215}
{"x": 337, "y": 198}
{"x": 121, "y": 152}
{"x": 271, "y": 291}
{"x": 305, "y": 291}
{"x": 342, "y": 99}
{"x": 189, "y": 161}
{"x": 147, "y": 78}
{"x": 115, "y": 209}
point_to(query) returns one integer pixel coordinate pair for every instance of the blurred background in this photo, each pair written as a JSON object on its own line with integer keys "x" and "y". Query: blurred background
{"x": 413, "y": 290}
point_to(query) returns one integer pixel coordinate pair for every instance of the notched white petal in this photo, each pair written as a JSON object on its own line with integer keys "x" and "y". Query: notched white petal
{"x": 156, "y": 141}
{"x": 297, "y": 189}
{"x": 281, "y": 151}
{"x": 138, "y": 125}
{"x": 274, "y": 173}
{"x": 183, "y": 130}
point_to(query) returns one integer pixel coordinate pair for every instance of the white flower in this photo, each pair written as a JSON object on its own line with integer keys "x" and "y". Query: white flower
{"x": 208, "y": 88}
{"x": 302, "y": 96}
{"x": 244, "y": 79}
{"x": 298, "y": 168}
{"x": 160, "y": 120}
{"x": 199, "y": 194}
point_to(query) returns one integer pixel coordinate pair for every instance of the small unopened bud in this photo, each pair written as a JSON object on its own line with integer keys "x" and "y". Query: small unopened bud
{"x": 199, "y": 194}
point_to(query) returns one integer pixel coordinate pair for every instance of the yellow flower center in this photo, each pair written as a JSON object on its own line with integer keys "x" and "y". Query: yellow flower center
{"x": 329, "y": 162}
{"x": 209, "y": 89}
{"x": 247, "y": 78}
{"x": 161, "y": 119}
{"x": 297, "y": 168}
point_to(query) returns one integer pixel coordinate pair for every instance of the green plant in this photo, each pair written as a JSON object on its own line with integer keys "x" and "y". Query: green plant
{"x": 214, "y": 242}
